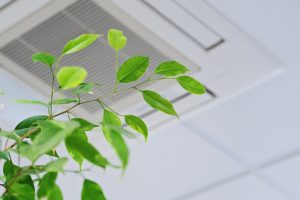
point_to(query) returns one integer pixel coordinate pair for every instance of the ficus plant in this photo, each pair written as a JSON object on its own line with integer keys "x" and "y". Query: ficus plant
{"x": 39, "y": 136}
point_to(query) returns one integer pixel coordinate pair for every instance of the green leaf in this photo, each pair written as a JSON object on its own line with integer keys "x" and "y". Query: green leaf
{"x": 85, "y": 88}
{"x": 171, "y": 68}
{"x": 56, "y": 165}
{"x": 30, "y": 121}
{"x": 79, "y": 43}
{"x": 84, "y": 124}
{"x": 71, "y": 76}
{"x": 132, "y": 69}
{"x": 136, "y": 123}
{"x": 114, "y": 137}
{"x": 64, "y": 101}
{"x": 22, "y": 191}
{"x": 10, "y": 135}
{"x": 158, "y": 102}
{"x": 52, "y": 133}
{"x": 110, "y": 118}
{"x": 28, "y": 101}
{"x": 46, "y": 185}
{"x": 86, "y": 150}
{"x": 45, "y": 58}
{"x": 74, "y": 153}
{"x": 91, "y": 191}
{"x": 55, "y": 193}
{"x": 116, "y": 39}
{"x": 4, "y": 155}
{"x": 1, "y": 93}
{"x": 191, "y": 85}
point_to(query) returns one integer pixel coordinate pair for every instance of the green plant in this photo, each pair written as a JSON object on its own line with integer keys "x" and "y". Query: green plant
{"x": 38, "y": 136}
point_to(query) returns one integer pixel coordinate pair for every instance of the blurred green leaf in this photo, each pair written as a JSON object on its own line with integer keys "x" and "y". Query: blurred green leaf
{"x": 132, "y": 69}
{"x": 4, "y": 155}
{"x": 30, "y": 122}
{"x": 114, "y": 137}
{"x": 71, "y": 76}
{"x": 74, "y": 153}
{"x": 46, "y": 185}
{"x": 170, "y": 68}
{"x": 158, "y": 102}
{"x": 85, "y": 88}
{"x": 116, "y": 39}
{"x": 79, "y": 43}
{"x": 136, "y": 123}
{"x": 56, "y": 165}
{"x": 191, "y": 85}
{"x": 45, "y": 58}
{"x": 52, "y": 133}
{"x": 91, "y": 191}
{"x": 10, "y": 135}
{"x": 28, "y": 101}
{"x": 84, "y": 124}
{"x": 22, "y": 191}
{"x": 55, "y": 193}
{"x": 64, "y": 101}
{"x": 86, "y": 150}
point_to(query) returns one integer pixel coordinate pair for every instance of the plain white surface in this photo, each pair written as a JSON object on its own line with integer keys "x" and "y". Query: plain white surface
{"x": 246, "y": 188}
{"x": 166, "y": 167}
{"x": 286, "y": 175}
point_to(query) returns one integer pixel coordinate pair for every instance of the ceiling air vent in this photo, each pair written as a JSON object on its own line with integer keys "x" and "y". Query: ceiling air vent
{"x": 193, "y": 32}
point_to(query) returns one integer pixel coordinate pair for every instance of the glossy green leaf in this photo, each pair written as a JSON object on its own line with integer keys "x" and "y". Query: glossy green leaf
{"x": 84, "y": 124}
{"x": 158, "y": 102}
{"x": 170, "y": 68}
{"x": 46, "y": 185}
{"x": 74, "y": 153}
{"x": 56, "y": 165}
{"x": 64, "y": 101}
{"x": 52, "y": 133}
{"x": 114, "y": 137}
{"x": 91, "y": 191}
{"x": 86, "y": 150}
{"x": 132, "y": 69}
{"x": 71, "y": 76}
{"x": 45, "y": 58}
{"x": 79, "y": 43}
{"x": 191, "y": 85}
{"x": 28, "y": 101}
{"x": 136, "y": 123}
{"x": 116, "y": 39}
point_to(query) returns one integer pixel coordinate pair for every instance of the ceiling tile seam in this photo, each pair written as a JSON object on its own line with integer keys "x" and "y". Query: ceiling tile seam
{"x": 233, "y": 156}
{"x": 214, "y": 185}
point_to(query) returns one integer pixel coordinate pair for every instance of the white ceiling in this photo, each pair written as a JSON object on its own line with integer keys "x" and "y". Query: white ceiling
{"x": 246, "y": 148}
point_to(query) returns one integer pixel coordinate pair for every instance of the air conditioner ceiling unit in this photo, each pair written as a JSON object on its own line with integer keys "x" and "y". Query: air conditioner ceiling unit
{"x": 191, "y": 31}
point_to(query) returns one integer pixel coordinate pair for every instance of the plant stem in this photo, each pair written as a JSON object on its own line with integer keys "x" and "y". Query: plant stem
{"x": 84, "y": 102}
{"x": 52, "y": 84}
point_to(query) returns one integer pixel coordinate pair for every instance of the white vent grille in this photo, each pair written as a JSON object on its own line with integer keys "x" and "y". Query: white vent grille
{"x": 81, "y": 17}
